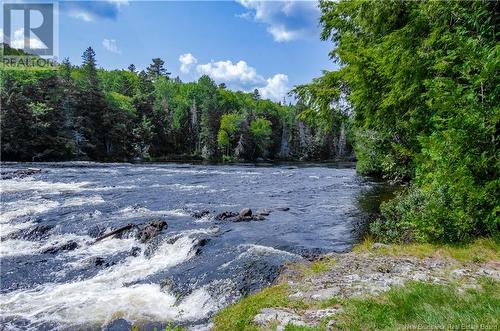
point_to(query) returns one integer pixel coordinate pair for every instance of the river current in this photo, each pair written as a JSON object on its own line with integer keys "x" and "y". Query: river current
{"x": 55, "y": 276}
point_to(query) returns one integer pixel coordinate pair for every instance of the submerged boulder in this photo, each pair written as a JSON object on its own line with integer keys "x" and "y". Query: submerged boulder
{"x": 21, "y": 173}
{"x": 34, "y": 233}
{"x": 264, "y": 212}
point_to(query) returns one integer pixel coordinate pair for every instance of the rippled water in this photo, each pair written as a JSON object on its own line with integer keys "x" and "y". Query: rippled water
{"x": 188, "y": 272}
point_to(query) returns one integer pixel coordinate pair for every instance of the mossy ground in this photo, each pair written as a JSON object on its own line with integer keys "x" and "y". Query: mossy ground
{"x": 482, "y": 250}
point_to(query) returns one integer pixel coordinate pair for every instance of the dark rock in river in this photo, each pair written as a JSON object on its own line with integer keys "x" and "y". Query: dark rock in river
{"x": 199, "y": 244}
{"x": 69, "y": 246}
{"x": 35, "y": 233}
{"x": 21, "y": 173}
{"x": 245, "y": 212}
{"x": 135, "y": 251}
{"x": 118, "y": 325}
{"x": 96, "y": 261}
{"x": 283, "y": 208}
{"x": 150, "y": 230}
{"x": 245, "y": 215}
{"x": 143, "y": 233}
{"x": 200, "y": 214}
{"x": 96, "y": 231}
{"x": 225, "y": 215}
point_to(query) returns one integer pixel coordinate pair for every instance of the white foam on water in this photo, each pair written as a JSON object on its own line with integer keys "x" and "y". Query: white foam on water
{"x": 6, "y": 228}
{"x": 33, "y": 206}
{"x": 30, "y": 184}
{"x": 143, "y": 211}
{"x": 22, "y": 208}
{"x": 82, "y": 201}
{"x": 180, "y": 187}
{"x": 108, "y": 246}
{"x": 105, "y": 297}
{"x": 109, "y": 188}
{"x": 258, "y": 250}
{"x": 17, "y": 247}
{"x": 205, "y": 171}
{"x": 12, "y": 210}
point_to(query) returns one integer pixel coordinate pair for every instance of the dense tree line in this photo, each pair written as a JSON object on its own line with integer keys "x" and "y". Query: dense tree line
{"x": 419, "y": 81}
{"x": 87, "y": 113}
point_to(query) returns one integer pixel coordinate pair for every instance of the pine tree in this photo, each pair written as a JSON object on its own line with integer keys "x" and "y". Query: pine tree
{"x": 90, "y": 109}
{"x": 157, "y": 69}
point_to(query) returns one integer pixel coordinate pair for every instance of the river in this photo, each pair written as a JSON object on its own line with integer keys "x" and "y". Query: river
{"x": 55, "y": 276}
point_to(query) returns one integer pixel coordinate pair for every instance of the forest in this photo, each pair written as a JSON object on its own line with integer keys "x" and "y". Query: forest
{"x": 421, "y": 81}
{"x": 415, "y": 99}
{"x": 88, "y": 113}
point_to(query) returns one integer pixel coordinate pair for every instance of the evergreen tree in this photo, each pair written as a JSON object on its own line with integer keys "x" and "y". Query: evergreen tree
{"x": 157, "y": 69}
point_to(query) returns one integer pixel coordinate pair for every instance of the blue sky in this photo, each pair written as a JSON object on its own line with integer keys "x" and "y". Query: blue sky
{"x": 270, "y": 45}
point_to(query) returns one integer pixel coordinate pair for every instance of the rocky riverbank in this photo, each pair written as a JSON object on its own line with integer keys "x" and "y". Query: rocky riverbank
{"x": 317, "y": 295}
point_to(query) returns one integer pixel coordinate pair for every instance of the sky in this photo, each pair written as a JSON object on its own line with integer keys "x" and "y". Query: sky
{"x": 269, "y": 45}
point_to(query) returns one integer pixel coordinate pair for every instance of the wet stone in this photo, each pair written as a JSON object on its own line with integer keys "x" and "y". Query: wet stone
{"x": 35, "y": 233}
{"x": 69, "y": 246}
{"x": 200, "y": 214}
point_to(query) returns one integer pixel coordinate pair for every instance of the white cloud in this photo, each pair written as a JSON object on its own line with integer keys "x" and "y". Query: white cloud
{"x": 110, "y": 45}
{"x": 89, "y": 11}
{"x": 280, "y": 33}
{"x": 276, "y": 87}
{"x": 286, "y": 20}
{"x": 187, "y": 61}
{"x": 239, "y": 76}
{"x": 84, "y": 16}
{"x": 18, "y": 40}
{"x": 227, "y": 72}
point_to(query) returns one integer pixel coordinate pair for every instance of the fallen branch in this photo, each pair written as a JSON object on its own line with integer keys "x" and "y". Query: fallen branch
{"x": 112, "y": 233}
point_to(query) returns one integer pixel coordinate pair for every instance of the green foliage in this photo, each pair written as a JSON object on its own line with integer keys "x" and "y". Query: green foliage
{"x": 229, "y": 126}
{"x": 120, "y": 101}
{"x": 261, "y": 131}
{"x": 480, "y": 251}
{"x": 83, "y": 112}
{"x": 240, "y": 315}
{"x": 425, "y": 305}
{"x": 420, "y": 82}
{"x": 223, "y": 138}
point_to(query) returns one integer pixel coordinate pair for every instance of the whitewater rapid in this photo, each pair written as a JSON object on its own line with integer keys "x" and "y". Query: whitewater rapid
{"x": 189, "y": 271}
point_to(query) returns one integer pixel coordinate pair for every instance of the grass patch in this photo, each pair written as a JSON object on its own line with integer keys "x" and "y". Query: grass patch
{"x": 482, "y": 250}
{"x": 240, "y": 315}
{"x": 322, "y": 265}
{"x": 425, "y": 305}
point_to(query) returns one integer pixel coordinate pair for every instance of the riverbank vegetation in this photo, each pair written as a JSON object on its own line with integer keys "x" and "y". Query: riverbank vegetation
{"x": 420, "y": 83}
{"x": 454, "y": 291}
{"x": 87, "y": 113}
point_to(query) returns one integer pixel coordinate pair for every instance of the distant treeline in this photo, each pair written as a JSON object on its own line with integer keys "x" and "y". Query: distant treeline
{"x": 86, "y": 113}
